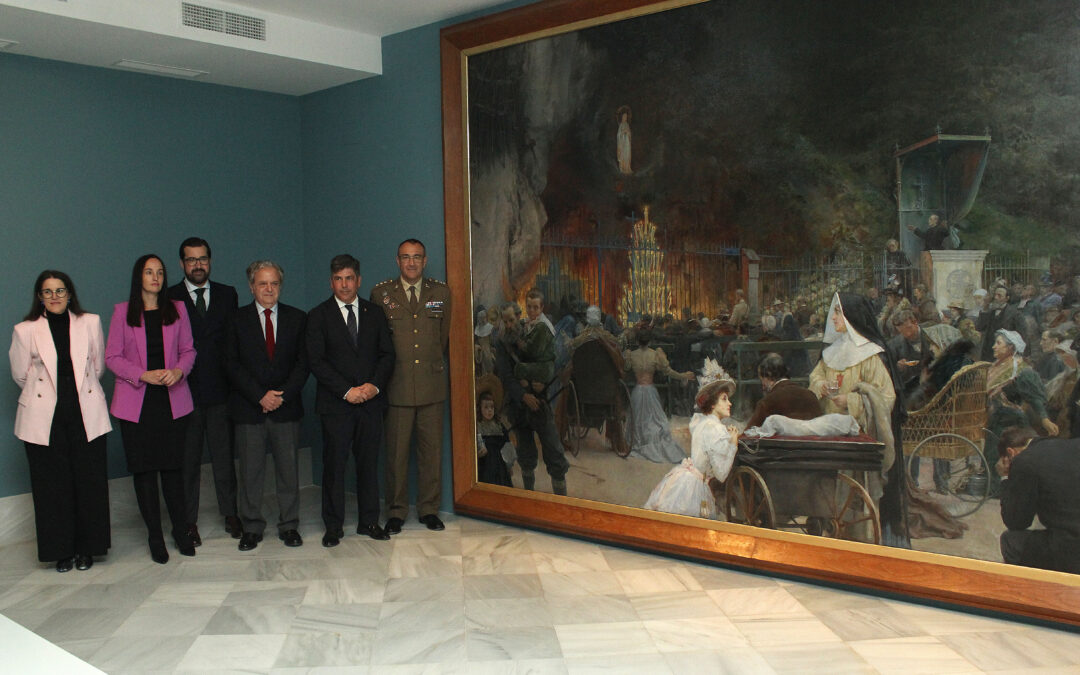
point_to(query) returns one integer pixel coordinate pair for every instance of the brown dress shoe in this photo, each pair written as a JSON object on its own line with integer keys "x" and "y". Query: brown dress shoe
{"x": 193, "y": 534}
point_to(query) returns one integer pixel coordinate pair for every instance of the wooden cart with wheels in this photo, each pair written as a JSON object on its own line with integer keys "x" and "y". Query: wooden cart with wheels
{"x": 808, "y": 484}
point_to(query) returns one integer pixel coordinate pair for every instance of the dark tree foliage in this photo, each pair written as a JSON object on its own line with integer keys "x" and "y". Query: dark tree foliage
{"x": 773, "y": 123}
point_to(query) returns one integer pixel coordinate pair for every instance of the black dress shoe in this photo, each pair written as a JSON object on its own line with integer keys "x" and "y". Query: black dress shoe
{"x": 432, "y": 521}
{"x": 65, "y": 565}
{"x": 373, "y": 531}
{"x": 331, "y": 539}
{"x": 291, "y": 538}
{"x": 233, "y": 527}
{"x": 193, "y": 534}
{"x": 393, "y": 526}
{"x": 249, "y": 540}
{"x": 157, "y": 550}
{"x": 83, "y": 562}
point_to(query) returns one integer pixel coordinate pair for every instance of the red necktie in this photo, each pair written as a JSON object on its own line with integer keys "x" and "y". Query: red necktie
{"x": 269, "y": 335}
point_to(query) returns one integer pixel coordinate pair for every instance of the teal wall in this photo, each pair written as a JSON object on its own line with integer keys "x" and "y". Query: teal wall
{"x": 373, "y": 174}
{"x": 100, "y": 166}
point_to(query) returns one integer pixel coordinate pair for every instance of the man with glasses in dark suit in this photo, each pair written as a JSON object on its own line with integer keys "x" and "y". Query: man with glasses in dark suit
{"x": 209, "y": 305}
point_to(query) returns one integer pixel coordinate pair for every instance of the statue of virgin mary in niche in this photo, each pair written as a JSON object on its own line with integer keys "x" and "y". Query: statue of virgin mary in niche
{"x": 622, "y": 140}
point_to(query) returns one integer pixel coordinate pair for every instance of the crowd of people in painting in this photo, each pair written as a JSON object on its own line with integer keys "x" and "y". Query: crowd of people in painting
{"x": 873, "y": 355}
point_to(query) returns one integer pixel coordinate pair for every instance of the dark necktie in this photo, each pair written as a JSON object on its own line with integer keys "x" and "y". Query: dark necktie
{"x": 412, "y": 298}
{"x": 200, "y": 301}
{"x": 350, "y": 323}
{"x": 269, "y": 335}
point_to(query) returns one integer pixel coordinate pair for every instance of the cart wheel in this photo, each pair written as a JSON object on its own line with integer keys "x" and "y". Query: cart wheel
{"x": 854, "y": 516}
{"x": 747, "y": 500}
{"x": 571, "y": 435}
{"x": 965, "y": 484}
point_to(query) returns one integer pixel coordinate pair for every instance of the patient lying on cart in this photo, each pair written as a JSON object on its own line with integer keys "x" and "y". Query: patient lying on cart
{"x": 833, "y": 424}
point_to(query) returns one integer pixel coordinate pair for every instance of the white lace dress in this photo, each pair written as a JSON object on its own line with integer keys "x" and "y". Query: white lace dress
{"x": 685, "y": 489}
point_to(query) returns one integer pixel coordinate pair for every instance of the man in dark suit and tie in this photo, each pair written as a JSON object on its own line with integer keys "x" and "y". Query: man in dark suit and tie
{"x": 209, "y": 305}
{"x": 351, "y": 354}
{"x": 267, "y": 365}
{"x": 418, "y": 309}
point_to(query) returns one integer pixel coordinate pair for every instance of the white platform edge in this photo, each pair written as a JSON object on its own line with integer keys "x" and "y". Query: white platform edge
{"x": 25, "y": 652}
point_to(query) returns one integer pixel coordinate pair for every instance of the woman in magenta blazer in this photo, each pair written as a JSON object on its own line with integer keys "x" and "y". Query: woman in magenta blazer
{"x": 57, "y": 357}
{"x": 151, "y": 353}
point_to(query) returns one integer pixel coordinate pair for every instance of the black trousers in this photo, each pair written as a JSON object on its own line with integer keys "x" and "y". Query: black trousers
{"x": 70, "y": 488}
{"x": 357, "y": 432}
{"x": 147, "y": 495}
{"x": 211, "y": 423}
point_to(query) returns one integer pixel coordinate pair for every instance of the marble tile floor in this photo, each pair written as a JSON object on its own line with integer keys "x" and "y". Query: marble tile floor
{"x": 484, "y": 598}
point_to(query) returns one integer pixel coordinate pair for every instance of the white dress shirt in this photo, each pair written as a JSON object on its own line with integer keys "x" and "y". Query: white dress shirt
{"x": 345, "y": 317}
{"x": 194, "y": 297}
{"x": 273, "y": 318}
{"x": 345, "y": 314}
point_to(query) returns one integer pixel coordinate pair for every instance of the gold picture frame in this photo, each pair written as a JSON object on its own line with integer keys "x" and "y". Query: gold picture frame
{"x": 1038, "y": 594}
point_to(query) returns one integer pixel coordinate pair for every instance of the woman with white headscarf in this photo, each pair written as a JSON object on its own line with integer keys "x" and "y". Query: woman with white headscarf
{"x": 856, "y": 375}
{"x": 1016, "y": 395}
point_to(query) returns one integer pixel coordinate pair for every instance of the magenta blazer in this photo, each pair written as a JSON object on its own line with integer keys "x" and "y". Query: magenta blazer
{"x": 125, "y": 355}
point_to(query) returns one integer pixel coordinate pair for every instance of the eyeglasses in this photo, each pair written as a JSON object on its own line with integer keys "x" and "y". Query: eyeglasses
{"x": 51, "y": 293}
{"x": 415, "y": 258}
{"x": 202, "y": 260}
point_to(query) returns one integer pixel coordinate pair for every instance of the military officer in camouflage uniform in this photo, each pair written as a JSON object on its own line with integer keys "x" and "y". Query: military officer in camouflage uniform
{"x": 418, "y": 310}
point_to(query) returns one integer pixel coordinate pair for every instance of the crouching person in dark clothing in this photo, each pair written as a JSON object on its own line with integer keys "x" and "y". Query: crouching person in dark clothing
{"x": 1041, "y": 478}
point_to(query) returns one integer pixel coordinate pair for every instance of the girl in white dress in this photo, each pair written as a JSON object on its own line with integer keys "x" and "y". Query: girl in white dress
{"x": 685, "y": 489}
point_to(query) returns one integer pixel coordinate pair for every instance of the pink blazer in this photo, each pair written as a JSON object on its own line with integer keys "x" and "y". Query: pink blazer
{"x": 125, "y": 356}
{"x": 33, "y": 367}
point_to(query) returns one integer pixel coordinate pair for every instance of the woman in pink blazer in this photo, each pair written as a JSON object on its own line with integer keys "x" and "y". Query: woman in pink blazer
{"x": 151, "y": 353}
{"x": 57, "y": 357}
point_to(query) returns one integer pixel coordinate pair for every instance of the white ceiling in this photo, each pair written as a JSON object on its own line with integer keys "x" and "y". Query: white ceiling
{"x": 310, "y": 44}
{"x": 378, "y": 17}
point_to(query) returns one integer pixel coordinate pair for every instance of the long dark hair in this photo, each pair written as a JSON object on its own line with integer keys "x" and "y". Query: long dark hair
{"x": 135, "y": 301}
{"x": 37, "y": 307}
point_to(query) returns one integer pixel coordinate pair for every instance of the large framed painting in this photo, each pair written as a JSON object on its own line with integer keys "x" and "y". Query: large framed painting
{"x": 789, "y": 285}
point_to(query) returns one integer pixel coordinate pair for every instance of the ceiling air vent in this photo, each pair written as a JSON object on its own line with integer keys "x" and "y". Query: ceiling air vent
{"x": 220, "y": 21}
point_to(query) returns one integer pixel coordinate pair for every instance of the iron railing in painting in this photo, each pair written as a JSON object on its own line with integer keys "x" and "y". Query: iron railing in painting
{"x": 703, "y": 278}
{"x": 699, "y": 277}
{"x": 815, "y": 278}
{"x": 1014, "y": 268}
